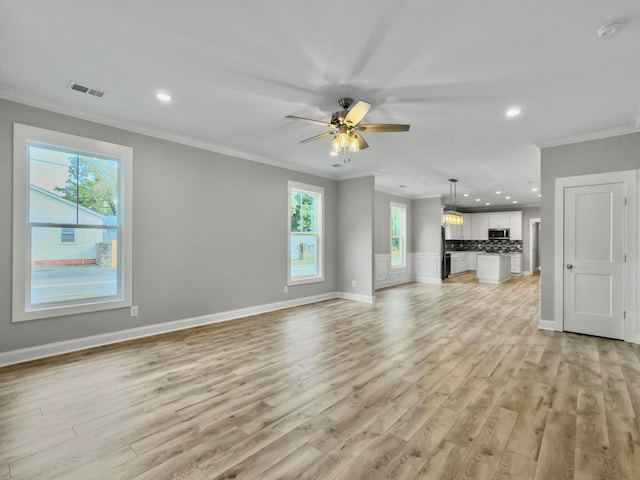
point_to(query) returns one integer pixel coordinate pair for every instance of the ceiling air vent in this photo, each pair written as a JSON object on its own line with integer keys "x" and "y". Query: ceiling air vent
{"x": 84, "y": 89}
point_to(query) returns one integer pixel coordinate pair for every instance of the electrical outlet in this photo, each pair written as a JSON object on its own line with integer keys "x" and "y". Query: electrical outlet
{"x": 286, "y": 289}
{"x": 134, "y": 310}
{"x": 353, "y": 283}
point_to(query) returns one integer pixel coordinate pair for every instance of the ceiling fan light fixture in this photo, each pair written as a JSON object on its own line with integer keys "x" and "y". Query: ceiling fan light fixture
{"x": 354, "y": 145}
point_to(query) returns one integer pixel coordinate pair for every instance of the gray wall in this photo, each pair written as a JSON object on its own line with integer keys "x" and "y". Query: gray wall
{"x": 527, "y": 214}
{"x": 596, "y": 156}
{"x": 382, "y": 240}
{"x": 427, "y": 224}
{"x": 355, "y": 236}
{"x": 209, "y": 233}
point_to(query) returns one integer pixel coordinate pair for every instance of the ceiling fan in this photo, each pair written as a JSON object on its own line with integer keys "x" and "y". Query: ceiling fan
{"x": 346, "y": 127}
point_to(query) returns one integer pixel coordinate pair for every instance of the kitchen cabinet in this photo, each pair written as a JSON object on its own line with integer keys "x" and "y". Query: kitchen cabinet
{"x": 515, "y": 225}
{"x": 516, "y": 263}
{"x": 499, "y": 220}
{"x": 472, "y": 261}
{"x": 458, "y": 263}
{"x": 453, "y": 232}
{"x": 493, "y": 268}
{"x": 467, "y": 231}
{"x": 480, "y": 226}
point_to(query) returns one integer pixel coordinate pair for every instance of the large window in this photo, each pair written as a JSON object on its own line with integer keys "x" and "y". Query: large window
{"x": 398, "y": 235}
{"x": 72, "y": 224}
{"x": 305, "y": 257}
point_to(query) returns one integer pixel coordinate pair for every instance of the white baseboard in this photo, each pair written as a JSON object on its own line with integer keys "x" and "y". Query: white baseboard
{"x": 527, "y": 272}
{"x": 547, "y": 325}
{"x": 392, "y": 283}
{"x": 356, "y": 297}
{"x": 67, "y": 346}
{"x": 427, "y": 279}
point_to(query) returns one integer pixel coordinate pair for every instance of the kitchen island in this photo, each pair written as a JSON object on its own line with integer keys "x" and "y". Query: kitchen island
{"x": 494, "y": 267}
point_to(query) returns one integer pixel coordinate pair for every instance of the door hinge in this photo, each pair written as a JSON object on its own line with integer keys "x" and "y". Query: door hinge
{"x": 625, "y": 201}
{"x": 625, "y": 257}
{"x": 625, "y": 315}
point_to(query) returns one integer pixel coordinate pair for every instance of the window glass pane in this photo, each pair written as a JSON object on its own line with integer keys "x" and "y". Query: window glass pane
{"x": 396, "y": 222}
{"x": 396, "y": 252}
{"x": 65, "y": 187}
{"x": 61, "y": 272}
{"x": 304, "y": 255}
{"x": 303, "y": 212}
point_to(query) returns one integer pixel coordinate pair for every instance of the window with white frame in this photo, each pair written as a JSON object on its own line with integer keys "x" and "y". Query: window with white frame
{"x": 305, "y": 227}
{"x": 72, "y": 224}
{"x": 398, "y": 235}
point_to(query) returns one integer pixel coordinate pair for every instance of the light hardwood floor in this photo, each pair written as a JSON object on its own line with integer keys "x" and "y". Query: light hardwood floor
{"x": 449, "y": 381}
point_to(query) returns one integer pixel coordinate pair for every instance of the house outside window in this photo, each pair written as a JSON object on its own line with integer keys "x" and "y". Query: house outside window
{"x": 72, "y": 224}
{"x": 305, "y": 229}
{"x": 398, "y": 235}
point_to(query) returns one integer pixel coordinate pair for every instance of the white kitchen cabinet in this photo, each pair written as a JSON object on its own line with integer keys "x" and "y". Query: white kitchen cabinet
{"x": 499, "y": 220}
{"x": 458, "y": 263}
{"x": 453, "y": 232}
{"x": 467, "y": 231}
{"x": 472, "y": 261}
{"x": 516, "y": 263}
{"x": 515, "y": 225}
{"x": 480, "y": 226}
{"x": 493, "y": 268}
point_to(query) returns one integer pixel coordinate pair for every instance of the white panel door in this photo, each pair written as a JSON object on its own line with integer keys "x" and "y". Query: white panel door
{"x": 594, "y": 260}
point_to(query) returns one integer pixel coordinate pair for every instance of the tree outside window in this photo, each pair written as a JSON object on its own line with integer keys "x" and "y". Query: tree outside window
{"x": 398, "y": 235}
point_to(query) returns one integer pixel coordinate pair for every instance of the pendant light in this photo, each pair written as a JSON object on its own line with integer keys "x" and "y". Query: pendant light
{"x": 451, "y": 217}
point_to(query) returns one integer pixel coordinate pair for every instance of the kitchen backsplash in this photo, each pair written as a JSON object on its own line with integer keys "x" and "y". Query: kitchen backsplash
{"x": 505, "y": 246}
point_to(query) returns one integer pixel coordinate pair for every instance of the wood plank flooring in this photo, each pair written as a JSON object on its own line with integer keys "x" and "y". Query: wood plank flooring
{"x": 449, "y": 381}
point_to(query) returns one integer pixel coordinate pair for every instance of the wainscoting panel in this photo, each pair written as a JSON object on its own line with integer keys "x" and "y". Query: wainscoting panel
{"x": 387, "y": 276}
{"x": 426, "y": 268}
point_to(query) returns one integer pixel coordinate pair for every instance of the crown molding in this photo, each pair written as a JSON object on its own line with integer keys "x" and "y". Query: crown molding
{"x": 159, "y": 134}
{"x": 389, "y": 191}
{"x": 597, "y": 135}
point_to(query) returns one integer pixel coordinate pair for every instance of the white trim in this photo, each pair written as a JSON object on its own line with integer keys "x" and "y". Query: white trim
{"x": 67, "y": 346}
{"x": 630, "y": 180}
{"x": 389, "y": 191}
{"x": 160, "y": 134}
{"x": 427, "y": 267}
{"x": 547, "y": 325}
{"x": 403, "y": 210}
{"x": 387, "y": 277}
{"x": 531, "y": 222}
{"x": 22, "y": 310}
{"x": 586, "y": 137}
{"x": 357, "y": 298}
{"x": 319, "y": 234}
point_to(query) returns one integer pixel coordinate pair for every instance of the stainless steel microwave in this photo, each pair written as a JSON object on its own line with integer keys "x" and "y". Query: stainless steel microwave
{"x": 498, "y": 234}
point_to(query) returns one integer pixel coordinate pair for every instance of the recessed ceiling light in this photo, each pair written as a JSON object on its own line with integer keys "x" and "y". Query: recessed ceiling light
{"x": 534, "y": 189}
{"x": 164, "y": 97}
{"x": 488, "y": 203}
{"x": 333, "y": 154}
{"x": 515, "y": 201}
{"x": 539, "y": 194}
{"x": 507, "y": 198}
{"x": 477, "y": 199}
{"x": 514, "y": 112}
{"x": 498, "y": 192}
{"x": 466, "y": 195}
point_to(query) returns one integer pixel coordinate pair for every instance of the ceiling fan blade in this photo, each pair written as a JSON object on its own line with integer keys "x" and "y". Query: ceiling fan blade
{"x": 362, "y": 143}
{"x": 318, "y": 137}
{"x": 382, "y": 127}
{"x": 357, "y": 113}
{"x": 310, "y": 120}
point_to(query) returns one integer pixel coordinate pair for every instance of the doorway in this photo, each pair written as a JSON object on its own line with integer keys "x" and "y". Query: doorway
{"x": 595, "y": 254}
{"x": 534, "y": 249}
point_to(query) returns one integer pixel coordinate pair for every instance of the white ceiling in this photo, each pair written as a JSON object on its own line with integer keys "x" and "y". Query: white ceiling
{"x": 236, "y": 68}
